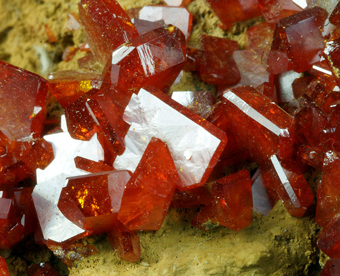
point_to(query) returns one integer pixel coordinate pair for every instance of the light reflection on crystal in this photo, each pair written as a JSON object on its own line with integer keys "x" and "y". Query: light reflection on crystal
{"x": 301, "y": 3}
{"x": 150, "y": 117}
{"x": 285, "y": 182}
{"x": 177, "y": 16}
{"x": 50, "y": 181}
{"x": 252, "y": 113}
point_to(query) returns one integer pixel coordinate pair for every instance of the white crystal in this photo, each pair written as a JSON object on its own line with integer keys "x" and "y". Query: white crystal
{"x": 190, "y": 145}
{"x": 55, "y": 226}
{"x": 151, "y": 13}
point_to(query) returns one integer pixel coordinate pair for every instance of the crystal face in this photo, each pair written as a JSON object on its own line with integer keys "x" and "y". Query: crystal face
{"x": 177, "y": 16}
{"x": 54, "y": 225}
{"x": 19, "y": 87}
{"x": 191, "y": 144}
{"x": 148, "y": 193}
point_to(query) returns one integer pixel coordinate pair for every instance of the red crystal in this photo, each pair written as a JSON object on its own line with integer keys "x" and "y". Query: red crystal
{"x": 155, "y": 58}
{"x": 331, "y": 268}
{"x": 18, "y": 86}
{"x": 147, "y": 196}
{"x": 106, "y": 25}
{"x": 233, "y": 199}
{"x": 233, "y": 205}
{"x": 68, "y": 86}
{"x": 298, "y": 40}
{"x": 262, "y": 126}
{"x": 125, "y": 241}
{"x": 192, "y": 198}
{"x": 328, "y": 239}
{"x": 334, "y": 18}
{"x": 328, "y": 195}
{"x": 289, "y": 185}
{"x": 3, "y": 267}
{"x": 42, "y": 269}
{"x": 231, "y": 11}
{"x": 217, "y": 64}
{"x": 91, "y": 202}
{"x": 274, "y": 10}
{"x": 91, "y": 166}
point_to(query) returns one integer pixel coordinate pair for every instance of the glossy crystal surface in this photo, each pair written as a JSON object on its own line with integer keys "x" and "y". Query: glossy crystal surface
{"x": 194, "y": 144}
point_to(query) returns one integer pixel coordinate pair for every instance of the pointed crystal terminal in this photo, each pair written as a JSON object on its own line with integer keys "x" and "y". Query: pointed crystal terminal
{"x": 155, "y": 58}
{"x": 106, "y": 26}
{"x": 148, "y": 194}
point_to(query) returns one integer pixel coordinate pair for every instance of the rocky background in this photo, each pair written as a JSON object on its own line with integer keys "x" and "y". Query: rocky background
{"x": 277, "y": 244}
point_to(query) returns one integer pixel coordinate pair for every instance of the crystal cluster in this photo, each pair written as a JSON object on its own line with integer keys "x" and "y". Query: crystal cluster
{"x": 125, "y": 151}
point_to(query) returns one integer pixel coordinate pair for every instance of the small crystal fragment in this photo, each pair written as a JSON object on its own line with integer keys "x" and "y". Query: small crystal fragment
{"x": 51, "y": 37}
{"x": 148, "y": 194}
{"x": 125, "y": 241}
{"x": 73, "y": 23}
{"x": 91, "y": 166}
{"x": 194, "y": 144}
{"x": 177, "y": 16}
{"x": 234, "y": 202}
{"x": 69, "y": 53}
{"x": 106, "y": 26}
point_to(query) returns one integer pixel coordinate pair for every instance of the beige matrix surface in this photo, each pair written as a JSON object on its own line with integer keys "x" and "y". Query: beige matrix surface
{"x": 274, "y": 245}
